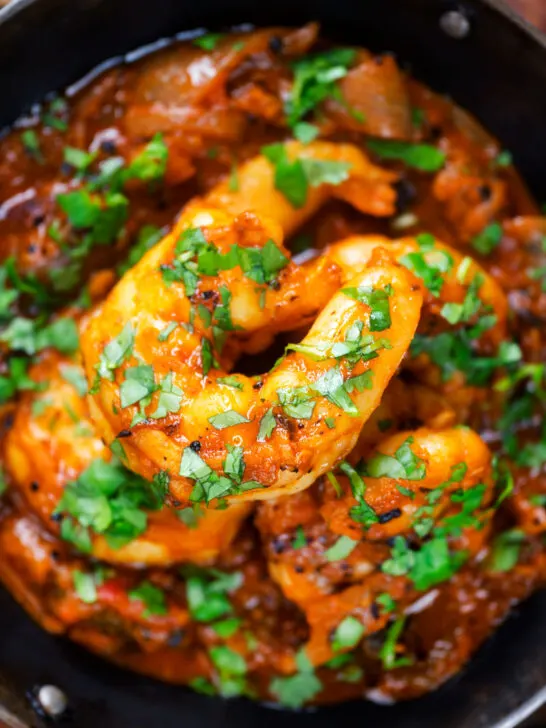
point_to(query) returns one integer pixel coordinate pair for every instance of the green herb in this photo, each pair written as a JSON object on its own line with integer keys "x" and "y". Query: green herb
{"x": 361, "y": 513}
{"x": 170, "y": 398}
{"x": 423, "y": 157}
{"x": 296, "y": 402}
{"x": 506, "y": 549}
{"x": 139, "y": 384}
{"x": 403, "y": 465}
{"x": 305, "y": 133}
{"x": 267, "y": 425}
{"x": 104, "y": 216}
{"x": 388, "y": 652}
{"x": 167, "y": 331}
{"x": 85, "y": 586}
{"x": 151, "y": 164}
{"x": 79, "y": 159}
{"x": 231, "y": 381}
{"x": 378, "y": 301}
{"x": 504, "y": 159}
{"x": 296, "y": 690}
{"x": 203, "y": 686}
{"x": 31, "y": 144}
{"x": 341, "y": 549}
{"x": 209, "y": 41}
{"x": 230, "y": 418}
{"x": 117, "y": 351}
{"x": 207, "y": 594}
{"x": 56, "y": 115}
{"x": 348, "y": 634}
{"x": 432, "y": 564}
{"x": 488, "y": 239}
{"x": 429, "y": 264}
{"x": 208, "y": 484}
{"x": 74, "y": 375}
{"x": 152, "y": 598}
{"x": 300, "y": 540}
{"x": 106, "y": 499}
{"x": 226, "y": 627}
{"x": 386, "y": 601}
{"x": 293, "y": 178}
{"x": 315, "y": 80}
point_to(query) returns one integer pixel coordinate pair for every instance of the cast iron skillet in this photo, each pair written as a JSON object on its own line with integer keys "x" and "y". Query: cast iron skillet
{"x": 498, "y": 71}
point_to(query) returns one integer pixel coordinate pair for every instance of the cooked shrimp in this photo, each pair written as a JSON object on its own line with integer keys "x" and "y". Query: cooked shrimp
{"x": 447, "y": 275}
{"x": 427, "y": 486}
{"x": 216, "y": 435}
{"x": 438, "y": 462}
{"x": 52, "y": 443}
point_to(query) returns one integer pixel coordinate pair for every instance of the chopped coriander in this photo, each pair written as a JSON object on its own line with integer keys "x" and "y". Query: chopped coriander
{"x": 300, "y": 540}
{"x": 74, "y": 375}
{"x": 227, "y": 660}
{"x": 330, "y": 422}
{"x": 152, "y": 598}
{"x": 79, "y": 159}
{"x": 293, "y": 178}
{"x": 31, "y": 143}
{"x": 315, "y": 80}
{"x": 423, "y": 157}
{"x": 378, "y": 301}
{"x": 209, "y": 41}
{"x": 150, "y": 165}
{"x": 139, "y": 384}
{"x": 226, "y": 419}
{"x": 341, "y": 549}
{"x": 226, "y": 627}
{"x": 107, "y": 499}
{"x": 305, "y": 133}
{"x": 231, "y": 381}
{"x": 85, "y": 586}
{"x": 504, "y": 159}
{"x": 506, "y": 549}
{"x": 296, "y": 690}
{"x": 170, "y": 398}
{"x": 488, "y": 239}
{"x": 117, "y": 351}
{"x": 348, "y": 634}
{"x": 430, "y": 265}
{"x": 386, "y": 601}
{"x": 296, "y": 402}
{"x": 404, "y": 465}
{"x": 207, "y": 594}
{"x": 167, "y": 331}
{"x": 267, "y": 425}
{"x": 388, "y": 652}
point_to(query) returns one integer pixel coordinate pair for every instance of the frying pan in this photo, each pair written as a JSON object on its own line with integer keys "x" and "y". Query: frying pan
{"x": 490, "y": 62}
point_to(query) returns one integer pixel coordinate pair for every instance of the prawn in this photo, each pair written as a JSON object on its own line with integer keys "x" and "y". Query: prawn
{"x": 179, "y": 325}
{"x": 52, "y": 448}
{"x": 427, "y": 486}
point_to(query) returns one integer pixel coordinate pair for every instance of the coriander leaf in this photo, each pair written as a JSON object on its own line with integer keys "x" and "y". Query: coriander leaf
{"x": 139, "y": 384}
{"x": 267, "y": 425}
{"x": 505, "y": 550}
{"x": 348, "y": 633}
{"x": 209, "y": 41}
{"x": 488, "y": 239}
{"x": 341, "y": 549}
{"x": 152, "y": 598}
{"x": 118, "y": 350}
{"x": 423, "y": 157}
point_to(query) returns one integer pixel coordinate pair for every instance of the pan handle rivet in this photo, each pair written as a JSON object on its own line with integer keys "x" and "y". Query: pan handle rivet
{"x": 455, "y": 24}
{"x": 52, "y": 700}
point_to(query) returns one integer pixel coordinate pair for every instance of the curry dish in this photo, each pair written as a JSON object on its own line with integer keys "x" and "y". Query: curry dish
{"x": 272, "y": 380}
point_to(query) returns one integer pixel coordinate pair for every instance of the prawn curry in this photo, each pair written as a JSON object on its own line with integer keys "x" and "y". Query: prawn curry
{"x": 272, "y": 371}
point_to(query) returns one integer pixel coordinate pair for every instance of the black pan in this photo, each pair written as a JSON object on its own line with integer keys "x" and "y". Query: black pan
{"x": 490, "y": 62}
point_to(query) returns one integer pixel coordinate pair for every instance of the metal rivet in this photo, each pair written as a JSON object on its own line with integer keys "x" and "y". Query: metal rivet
{"x": 455, "y": 24}
{"x": 52, "y": 700}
